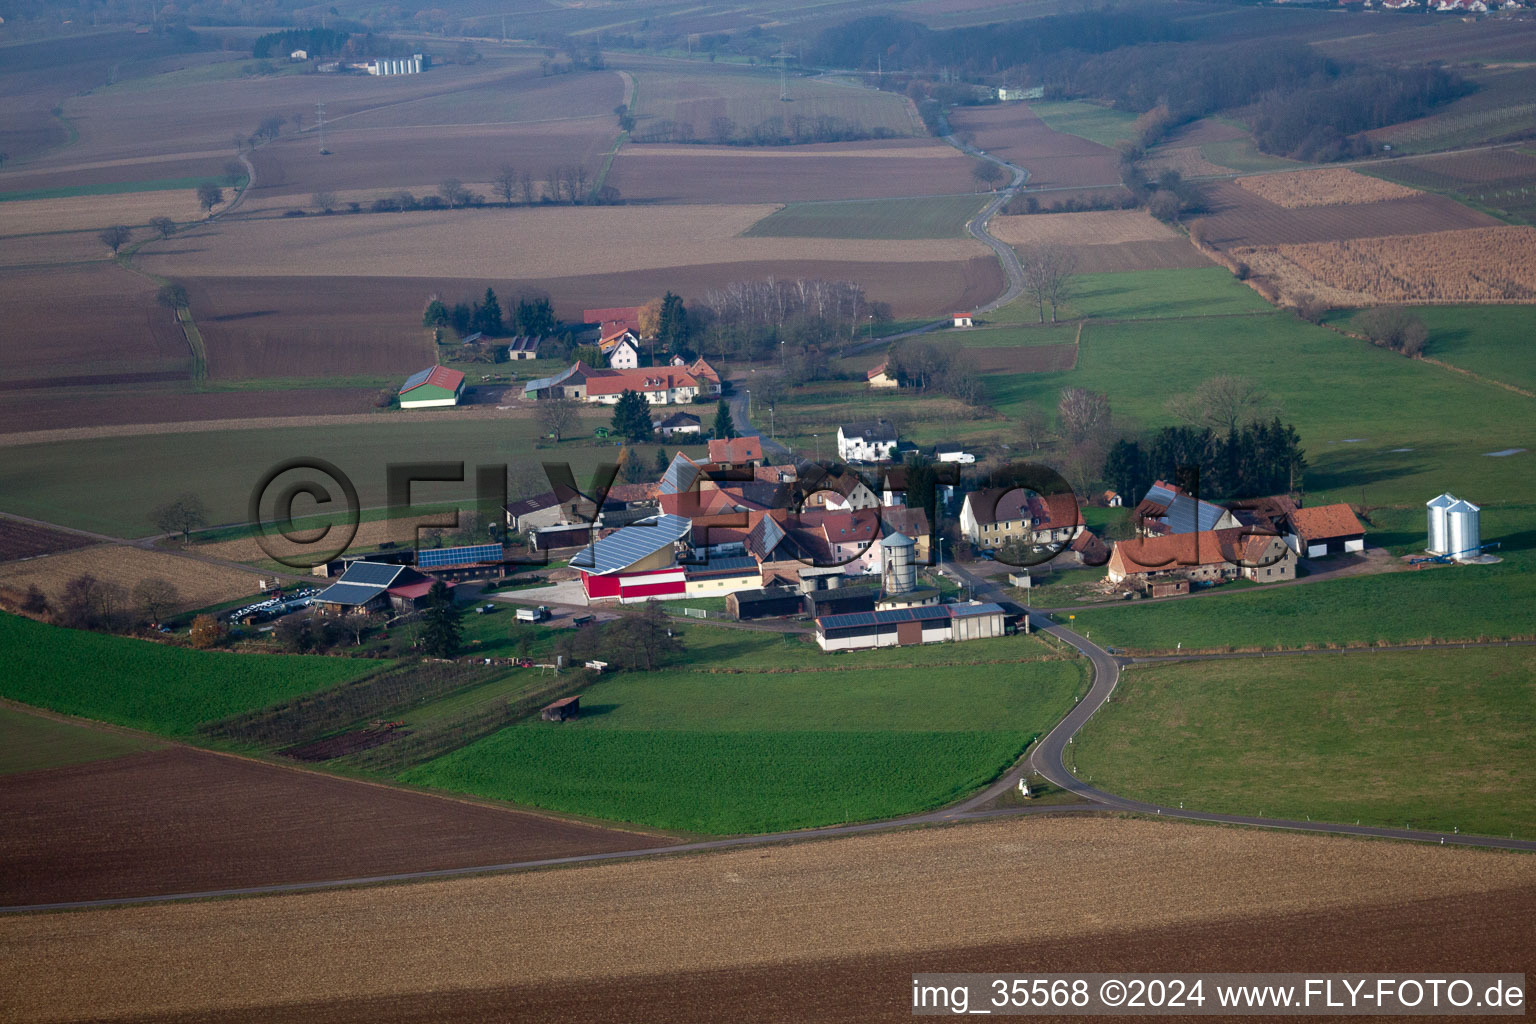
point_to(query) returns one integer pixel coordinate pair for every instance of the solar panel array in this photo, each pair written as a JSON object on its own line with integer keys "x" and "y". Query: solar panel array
{"x": 417, "y": 379}
{"x": 474, "y": 553}
{"x": 723, "y": 563}
{"x": 851, "y": 620}
{"x": 620, "y": 550}
{"x": 348, "y": 594}
{"x": 372, "y": 574}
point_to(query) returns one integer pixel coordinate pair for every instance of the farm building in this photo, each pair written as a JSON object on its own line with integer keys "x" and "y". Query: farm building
{"x": 840, "y": 600}
{"x": 770, "y": 602}
{"x": 1204, "y": 556}
{"x": 374, "y": 587}
{"x": 964, "y": 320}
{"x": 866, "y": 442}
{"x": 524, "y": 346}
{"x": 658, "y": 385}
{"x": 1112, "y": 499}
{"x": 568, "y": 383}
{"x": 412, "y": 65}
{"x": 723, "y": 575}
{"x": 562, "y": 710}
{"x": 1325, "y": 530}
{"x": 636, "y": 562}
{"x": 435, "y": 386}
{"x": 1167, "y": 508}
{"x": 903, "y": 627}
{"x": 678, "y": 423}
{"x": 879, "y": 378}
{"x": 622, "y": 350}
{"x": 736, "y": 452}
{"x": 993, "y": 516}
{"x": 466, "y": 562}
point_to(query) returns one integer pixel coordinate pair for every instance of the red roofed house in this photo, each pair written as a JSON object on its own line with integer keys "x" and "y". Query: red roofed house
{"x": 432, "y": 387}
{"x": 625, "y": 317}
{"x": 1324, "y": 530}
{"x": 740, "y": 452}
{"x": 964, "y": 320}
{"x": 880, "y": 378}
{"x": 1211, "y": 555}
{"x": 661, "y": 385}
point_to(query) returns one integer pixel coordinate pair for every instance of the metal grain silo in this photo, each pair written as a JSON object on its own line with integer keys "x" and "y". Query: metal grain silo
{"x": 1464, "y": 530}
{"x": 1439, "y": 530}
{"x": 899, "y": 553}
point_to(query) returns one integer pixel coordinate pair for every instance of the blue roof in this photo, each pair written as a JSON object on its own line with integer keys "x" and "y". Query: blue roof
{"x": 459, "y": 556}
{"x": 679, "y": 476}
{"x": 418, "y": 378}
{"x": 549, "y": 382}
{"x": 1162, "y": 495}
{"x": 618, "y": 551}
{"x": 371, "y": 574}
{"x": 348, "y": 593}
{"x": 1186, "y": 515}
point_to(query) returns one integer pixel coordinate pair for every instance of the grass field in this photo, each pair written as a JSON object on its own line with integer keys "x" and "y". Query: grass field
{"x": 1491, "y": 341}
{"x": 742, "y": 751}
{"x": 30, "y": 743}
{"x": 1143, "y": 294}
{"x": 119, "y": 187}
{"x": 131, "y": 475}
{"x": 151, "y": 686}
{"x": 1449, "y": 603}
{"x": 1085, "y": 120}
{"x": 1433, "y": 740}
{"x": 1242, "y": 156}
{"x": 937, "y": 217}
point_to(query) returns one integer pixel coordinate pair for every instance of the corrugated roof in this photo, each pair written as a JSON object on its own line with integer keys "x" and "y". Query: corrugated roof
{"x": 724, "y": 563}
{"x": 970, "y": 611}
{"x": 618, "y": 551}
{"x": 437, "y": 376}
{"x": 544, "y": 383}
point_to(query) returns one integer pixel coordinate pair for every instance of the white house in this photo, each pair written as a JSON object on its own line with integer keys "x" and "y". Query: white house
{"x": 964, "y": 320}
{"x": 625, "y": 353}
{"x": 880, "y": 377}
{"x": 299, "y": 55}
{"x": 866, "y": 442}
{"x": 678, "y": 423}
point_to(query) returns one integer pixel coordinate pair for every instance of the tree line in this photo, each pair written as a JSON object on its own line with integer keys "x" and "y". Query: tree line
{"x": 791, "y": 130}
{"x": 531, "y": 313}
{"x": 1250, "y": 461}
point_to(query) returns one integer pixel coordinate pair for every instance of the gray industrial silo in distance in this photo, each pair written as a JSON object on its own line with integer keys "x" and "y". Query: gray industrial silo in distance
{"x": 1464, "y": 530}
{"x": 898, "y": 554}
{"x": 1439, "y": 528}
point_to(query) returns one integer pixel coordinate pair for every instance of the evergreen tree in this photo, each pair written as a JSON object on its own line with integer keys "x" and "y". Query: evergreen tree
{"x": 535, "y": 316}
{"x": 724, "y": 426}
{"x": 662, "y": 462}
{"x": 436, "y": 314}
{"x": 441, "y": 635}
{"x": 487, "y": 317}
{"x": 632, "y": 417}
{"x": 672, "y": 329}
{"x": 922, "y": 484}
{"x": 1125, "y": 467}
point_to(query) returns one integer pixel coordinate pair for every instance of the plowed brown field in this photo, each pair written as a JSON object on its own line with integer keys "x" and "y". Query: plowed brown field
{"x": 1054, "y": 159}
{"x": 852, "y": 170}
{"x": 59, "y": 409}
{"x": 183, "y": 820}
{"x": 28, "y": 540}
{"x": 1104, "y": 241}
{"x": 815, "y": 931}
{"x": 1238, "y": 217}
{"x": 1477, "y": 265}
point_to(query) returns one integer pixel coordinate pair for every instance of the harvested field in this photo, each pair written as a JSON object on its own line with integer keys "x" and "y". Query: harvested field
{"x": 566, "y": 241}
{"x": 1109, "y": 227}
{"x": 858, "y": 914}
{"x": 1476, "y": 265}
{"x": 1104, "y": 241}
{"x": 1455, "y": 170}
{"x": 179, "y": 819}
{"x": 1238, "y": 217}
{"x": 200, "y": 583}
{"x": 1326, "y": 186}
{"x": 205, "y": 164}
{"x": 936, "y": 217}
{"x": 1189, "y": 161}
{"x": 1198, "y": 133}
{"x": 370, "y": 535}
{"x": 20, "y": 540}
{"x": 1053, "y": 159}
{"x": 730, "y": 174}
{"x": 521, "y": 98}
{"x": 80, "y": 213}
{"x": 114, "y": 325}
{"x": 61, "y": 409}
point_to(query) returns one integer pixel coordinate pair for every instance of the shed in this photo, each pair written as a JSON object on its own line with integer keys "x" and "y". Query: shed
{"x": 964, "y": 320}
{"x": 769, "y": 602}
{"x": 434, "y": 386}
{"x": 840, "y": 601}
{"x": 562, "y": 710}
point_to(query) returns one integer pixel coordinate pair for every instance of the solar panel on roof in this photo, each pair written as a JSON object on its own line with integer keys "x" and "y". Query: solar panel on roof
{"x": 348, "y": 594}
{"x": 417, "y": 379}
{"x": 458, "y": 556}
{"x": 618, "y": 551}
{"x": 850, "y": 620}
{"x": 375, "y": 574}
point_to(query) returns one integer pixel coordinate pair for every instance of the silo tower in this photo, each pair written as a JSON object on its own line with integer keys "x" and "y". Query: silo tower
{"x": 898, "y": 556}
{"x": 1464, "y": 530}
{"x": 1439, "y": 527}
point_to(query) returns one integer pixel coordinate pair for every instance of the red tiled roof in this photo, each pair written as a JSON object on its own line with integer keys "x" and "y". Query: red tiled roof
{"x": 1187, "y": 550}
{"x": 846, "y": 527}
{"x": 1003, "y": 505}
{"x": 1325, "y": 521}
{"x": 735, "y": 449}
{"x": 615, "y": 314}
{"x": 875, "y": 372}
{"x": 611, "y": 382}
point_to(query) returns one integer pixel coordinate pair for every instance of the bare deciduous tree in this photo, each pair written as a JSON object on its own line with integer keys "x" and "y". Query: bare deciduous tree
{"x": 558, "y": 415}
{"x": 505, "y": 183}
{"x": 525, "y": 182}
{"x": 156, "y": 598}
{"x": 116, "y": 237}
{"x": 1223, "y": 404}
{"x": 1049, "y": 271}
{"x": 209, "y": 195}
{"x": 453, "y": 192}
{"x": 324, "y": 201}
{"x": 182, "y": 515}
{"x": 1084, "y": 415}
{"x": 163, "y": 226}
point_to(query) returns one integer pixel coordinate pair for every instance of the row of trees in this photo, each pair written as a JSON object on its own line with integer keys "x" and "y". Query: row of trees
{"x": 1250, "y": 461}
{"x": 928, "y": 365}
{"x": 531, "y": 313}
{"x": 752, "y": 319}
{"x": 115, "y": 237}
{"x": 87, "y": 602}
{"x": 790, "y": 130}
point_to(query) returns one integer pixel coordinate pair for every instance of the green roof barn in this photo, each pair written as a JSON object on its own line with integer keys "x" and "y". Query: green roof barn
{"x": 436, "y": 386}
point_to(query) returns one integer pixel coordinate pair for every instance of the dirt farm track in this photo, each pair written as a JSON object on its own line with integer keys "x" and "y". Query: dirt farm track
{"x": 765, "y": 933}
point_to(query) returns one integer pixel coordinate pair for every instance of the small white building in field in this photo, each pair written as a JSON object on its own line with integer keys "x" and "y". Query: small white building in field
{"x": 964, "y": 320}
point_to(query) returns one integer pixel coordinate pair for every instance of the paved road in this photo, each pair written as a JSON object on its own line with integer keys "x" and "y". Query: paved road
{"x": 978, "y": 224}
